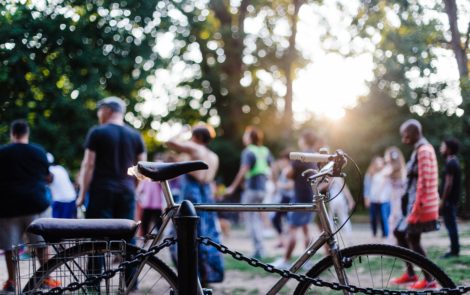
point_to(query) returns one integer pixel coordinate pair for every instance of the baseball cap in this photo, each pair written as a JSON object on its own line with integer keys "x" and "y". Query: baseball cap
{"x": 116, "y": 104}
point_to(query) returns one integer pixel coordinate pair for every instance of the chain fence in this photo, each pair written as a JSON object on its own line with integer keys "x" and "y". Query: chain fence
{"x": 94, "y": 279}
{"x": 320, "y": 283}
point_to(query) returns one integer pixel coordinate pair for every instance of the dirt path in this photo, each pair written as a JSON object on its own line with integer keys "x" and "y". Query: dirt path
{"x": 249, "y": 281}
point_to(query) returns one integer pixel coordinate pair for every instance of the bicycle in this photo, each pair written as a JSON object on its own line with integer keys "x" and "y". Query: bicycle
{"x": 349, "y": 270}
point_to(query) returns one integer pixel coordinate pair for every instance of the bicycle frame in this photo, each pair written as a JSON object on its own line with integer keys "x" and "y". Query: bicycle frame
{"x": 318, "y": 206}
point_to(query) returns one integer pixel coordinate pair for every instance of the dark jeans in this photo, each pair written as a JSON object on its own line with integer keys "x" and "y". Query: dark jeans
{"x": 149, "y": 216}
{"x": 449, "y": 213}
{"x": 380, "y": 212}
{"x": 110, "y": 204}
{"x": 276, "y": 219}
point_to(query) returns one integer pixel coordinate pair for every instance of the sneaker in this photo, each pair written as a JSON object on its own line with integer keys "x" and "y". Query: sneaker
{"x": 423, "y": 285}
{"x": 9, "y": 286}
{"x": 51, "y": 283}
{"x": 404, "y": 279}
{"x": 449, "y": 255}
{"x": 281, "y": 263}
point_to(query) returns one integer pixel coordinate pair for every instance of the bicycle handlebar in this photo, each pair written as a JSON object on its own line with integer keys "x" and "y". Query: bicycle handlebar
{"x": 311, "y": 157}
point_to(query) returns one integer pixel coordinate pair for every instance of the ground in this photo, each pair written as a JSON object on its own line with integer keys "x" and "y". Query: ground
{"x": 243, "y": 279}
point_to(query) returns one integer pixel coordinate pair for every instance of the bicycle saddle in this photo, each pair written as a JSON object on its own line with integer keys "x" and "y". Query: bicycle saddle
{"x": 56, "y": 229}
{"x": 165, "y": 171}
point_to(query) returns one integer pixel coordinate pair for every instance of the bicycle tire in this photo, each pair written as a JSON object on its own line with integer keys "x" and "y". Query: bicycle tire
{"x": 70, "y": 266}
{"x": 366, "y": 255}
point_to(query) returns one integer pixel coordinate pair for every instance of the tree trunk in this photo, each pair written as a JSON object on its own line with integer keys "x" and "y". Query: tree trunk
{"x": 460, "y": 49}
{"x": 289, "y": 68}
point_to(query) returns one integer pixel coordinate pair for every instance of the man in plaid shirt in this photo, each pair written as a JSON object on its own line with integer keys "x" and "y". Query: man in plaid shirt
{"x": 422, "y": 209}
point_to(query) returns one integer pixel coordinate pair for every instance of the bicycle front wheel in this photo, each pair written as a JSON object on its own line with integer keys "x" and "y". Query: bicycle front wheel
{"x": 374, "y": 266}
{"x": 79, "y": 262}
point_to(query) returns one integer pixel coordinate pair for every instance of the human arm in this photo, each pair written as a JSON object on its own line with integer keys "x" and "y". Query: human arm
{"x": 367, "y": 182}
{"x": 448, "y": 183}
{"x": 238, "y": 179}
{"x": 349, "y": 198}
{"x": 86, "y": 173}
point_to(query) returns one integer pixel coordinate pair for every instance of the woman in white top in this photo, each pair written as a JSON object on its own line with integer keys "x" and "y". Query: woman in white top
{"x": 376, "y": 198}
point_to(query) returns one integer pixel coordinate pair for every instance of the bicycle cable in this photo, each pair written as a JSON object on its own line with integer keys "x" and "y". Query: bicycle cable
{"x": 355, "y": 205}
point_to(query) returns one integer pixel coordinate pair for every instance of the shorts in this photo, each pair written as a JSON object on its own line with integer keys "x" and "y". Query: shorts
{"x": 64, "y": 209}
{"x": 297, "y": 219}
{"x": 13, "y": 228}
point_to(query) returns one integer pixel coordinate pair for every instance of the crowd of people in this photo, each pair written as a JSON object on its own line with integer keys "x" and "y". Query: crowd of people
{"x": 403, "y": 199}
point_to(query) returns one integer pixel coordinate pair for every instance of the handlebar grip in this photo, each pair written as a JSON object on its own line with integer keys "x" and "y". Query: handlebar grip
{"x": 310, "y": 157}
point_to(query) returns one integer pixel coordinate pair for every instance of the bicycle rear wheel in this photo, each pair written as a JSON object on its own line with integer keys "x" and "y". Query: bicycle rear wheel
{"x": 374, "y": 266}
{"x": 78, "y": 262}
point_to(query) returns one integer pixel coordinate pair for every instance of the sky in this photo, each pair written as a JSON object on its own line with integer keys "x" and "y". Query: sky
{"x": 331, "y": 82}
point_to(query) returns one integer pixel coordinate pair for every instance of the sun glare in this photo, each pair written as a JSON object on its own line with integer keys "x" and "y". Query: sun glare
{"x": 330, "y": 85}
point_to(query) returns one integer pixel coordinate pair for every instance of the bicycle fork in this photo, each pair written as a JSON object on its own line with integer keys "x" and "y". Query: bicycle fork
{"x": 333, "y": 247}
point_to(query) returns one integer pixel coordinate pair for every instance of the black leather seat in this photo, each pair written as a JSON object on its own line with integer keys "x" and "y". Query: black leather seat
{"x": 166, "y": 171}
{"x": 56, "y": 229}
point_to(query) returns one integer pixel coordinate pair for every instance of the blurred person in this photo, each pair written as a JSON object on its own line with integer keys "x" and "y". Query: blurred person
{"x": 110, "y": 149}
{"x": 254, "y": 170}
{"x": 62, "y": 191}
{"x": 283, "y": 194}
{"x": 197, "y": 187}
{"x": 377, "y": 202}
{"x": 150, "y": 199}
{"x": 395, "y": 173}
{"x": 450, "y": 193}
{"x": 308, "y": 143}
{"x": 420, "y": 203}
{"x": 340, "y": 203}
{"x": 24, "y": 174}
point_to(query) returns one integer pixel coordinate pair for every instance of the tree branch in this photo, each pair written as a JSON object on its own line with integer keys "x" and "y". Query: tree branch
{"x": 465, "y": 47}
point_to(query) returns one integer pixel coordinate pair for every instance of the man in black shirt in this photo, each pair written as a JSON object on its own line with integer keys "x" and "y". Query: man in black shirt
{"x": 110, "y": 149}
{"x": 24, "y": 172}
{"x": 450, "y": 193}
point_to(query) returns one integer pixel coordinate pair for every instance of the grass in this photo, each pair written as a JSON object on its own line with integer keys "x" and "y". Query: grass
{"x": 456, "y": 268}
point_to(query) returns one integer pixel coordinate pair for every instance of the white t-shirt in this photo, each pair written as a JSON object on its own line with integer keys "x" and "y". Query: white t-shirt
{"x": 62, "y": 189}
{"x": 381, "y": 186}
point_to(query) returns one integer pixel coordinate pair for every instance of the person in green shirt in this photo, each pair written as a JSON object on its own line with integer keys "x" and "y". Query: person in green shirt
{"x": 254, "y": 169}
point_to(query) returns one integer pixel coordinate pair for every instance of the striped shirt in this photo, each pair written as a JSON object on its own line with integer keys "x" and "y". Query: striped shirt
{"x": 426, "y": 204}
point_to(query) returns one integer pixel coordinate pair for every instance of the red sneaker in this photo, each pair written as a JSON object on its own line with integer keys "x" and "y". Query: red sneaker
{"x": 9, "y": 286}
{"x": 404, "y": 279}
{"x": 51, "y": 283}
{"x": 423, "y": 285}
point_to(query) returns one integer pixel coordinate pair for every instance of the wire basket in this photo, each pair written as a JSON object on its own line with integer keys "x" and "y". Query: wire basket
{"x": 69, "y": 262}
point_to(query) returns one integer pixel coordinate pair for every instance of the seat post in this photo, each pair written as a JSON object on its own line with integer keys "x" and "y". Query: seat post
{"x": 167, "y": 193}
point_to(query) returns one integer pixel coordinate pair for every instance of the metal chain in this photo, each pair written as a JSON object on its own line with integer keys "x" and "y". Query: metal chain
{"x": 95, "y": 279}
{"x": 320, "y": 283}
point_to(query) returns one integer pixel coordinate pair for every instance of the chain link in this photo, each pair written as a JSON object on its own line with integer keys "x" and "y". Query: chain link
{"x": 320, "y": 283}
{"x": 95, "y": 279}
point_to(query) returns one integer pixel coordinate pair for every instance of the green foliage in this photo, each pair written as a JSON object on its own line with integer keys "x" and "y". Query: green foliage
{"x": 60, "y": 58}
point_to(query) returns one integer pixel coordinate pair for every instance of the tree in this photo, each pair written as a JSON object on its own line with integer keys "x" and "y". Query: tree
{"x": 59, "y": 58}
{"x": 407, "y": 39}
{"x": 460, "y": 46}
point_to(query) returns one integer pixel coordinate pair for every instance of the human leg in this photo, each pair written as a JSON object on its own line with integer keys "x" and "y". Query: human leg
{"x": 410, "y": 275}
{"x": 253, "y": 220}
{"x": 373, "y": 217}
{"x": 384, "y": 215}
{"x": 450, "y": 221}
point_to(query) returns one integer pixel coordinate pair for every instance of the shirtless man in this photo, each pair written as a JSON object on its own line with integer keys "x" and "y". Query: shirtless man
{"x": 197, "y": 189}
{"x": 196, "y": 149}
